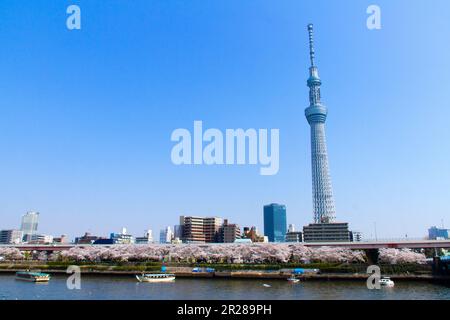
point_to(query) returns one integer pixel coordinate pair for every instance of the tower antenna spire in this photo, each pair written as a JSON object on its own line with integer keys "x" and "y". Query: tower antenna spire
{"x": 311, "y": 43}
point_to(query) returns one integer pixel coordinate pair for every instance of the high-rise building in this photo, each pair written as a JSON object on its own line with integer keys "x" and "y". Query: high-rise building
{"x": 165, "y": 235}
{"x": 178, "y": 231}
{"x": 275, "y": 222}
{"x": 29, "y": 224}
{"x": 192, "y": 229}
{"x": 316, "y": 114}
{"x": 11, "y": 236}
{"x": 229, "y": 232}
{"x": 200, "y": 230}
{"x": 211, "y": 229}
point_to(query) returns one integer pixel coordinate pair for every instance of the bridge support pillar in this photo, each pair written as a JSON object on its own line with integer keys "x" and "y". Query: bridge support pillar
{"x": 372, "y": 256}
{"x": 441, "y": 268}
{"x": 49, "y": 253}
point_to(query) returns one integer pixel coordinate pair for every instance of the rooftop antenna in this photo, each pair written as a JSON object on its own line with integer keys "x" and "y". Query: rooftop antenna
{"x": 375, "y": 227}
{"x": 311, "y": 43}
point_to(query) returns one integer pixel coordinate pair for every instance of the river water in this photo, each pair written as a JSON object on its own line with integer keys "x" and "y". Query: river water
{"x": 126, "y": 287}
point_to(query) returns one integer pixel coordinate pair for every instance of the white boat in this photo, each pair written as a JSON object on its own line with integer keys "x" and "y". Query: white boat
{"x": 156, "y": 277}
{"x": 267, "y": 285}
{"x": 293, "y": 280}
{"x": 386, "y": 282}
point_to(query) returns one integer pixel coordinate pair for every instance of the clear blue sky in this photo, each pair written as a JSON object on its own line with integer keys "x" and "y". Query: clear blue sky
{"x": 86, "y": 116}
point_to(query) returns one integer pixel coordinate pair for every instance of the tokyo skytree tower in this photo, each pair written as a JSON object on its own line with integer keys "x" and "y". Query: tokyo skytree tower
{"x": 316, "y": 114}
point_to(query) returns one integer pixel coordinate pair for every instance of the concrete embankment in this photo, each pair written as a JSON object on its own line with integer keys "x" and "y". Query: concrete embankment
{"x": 246, "y": 274}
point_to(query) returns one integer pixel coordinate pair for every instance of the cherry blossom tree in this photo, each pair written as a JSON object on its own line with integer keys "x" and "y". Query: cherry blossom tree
{"x": 10, "y": 253}
{"x": 215, "y": 253}
{"x": 400, "y": 256}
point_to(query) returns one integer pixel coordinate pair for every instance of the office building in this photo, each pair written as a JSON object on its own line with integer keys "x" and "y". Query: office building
{"x": 229, "y": 232}
{"x": 87, "y": 238}
{"x": 120, "y": 238}
{"x": 295, "y": 236}
{"x": 192, "y": 229}
{"x": 292, "y": 235}
{"x": 146, "y": 239}
{"x": 61, "y": 240}
{"x": 211, "y": 229}
{"x": 199, "y": 229}
{"x": 11, "y": 236}
{"x": 275, "y": 222}
{"x": 178, "y": 231}
{"x": 326, "y": 232}
{"x": 435, "y": 233}
{"x": 40, "y": 239}
{"x": 29, "y": 225}
{"x": 165, "y": 235}
{"x": 355, "y": 236}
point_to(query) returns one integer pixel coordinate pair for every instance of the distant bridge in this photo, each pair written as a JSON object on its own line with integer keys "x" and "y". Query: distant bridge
{"x": 360, "y": 245}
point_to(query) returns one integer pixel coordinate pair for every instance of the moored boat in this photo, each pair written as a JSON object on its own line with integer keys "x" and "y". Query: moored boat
{"x": 386, "y": 282}
{"x": 156, "y": 277}
{"x": 293, "y": 279}
{"x": 32, "y": 276}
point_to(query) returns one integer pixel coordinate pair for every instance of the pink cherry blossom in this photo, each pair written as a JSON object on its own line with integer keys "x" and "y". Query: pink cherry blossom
{"x": 10, "y": 253}
{"x": 400, "y": 256}
{"x": 215, "y": 253}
